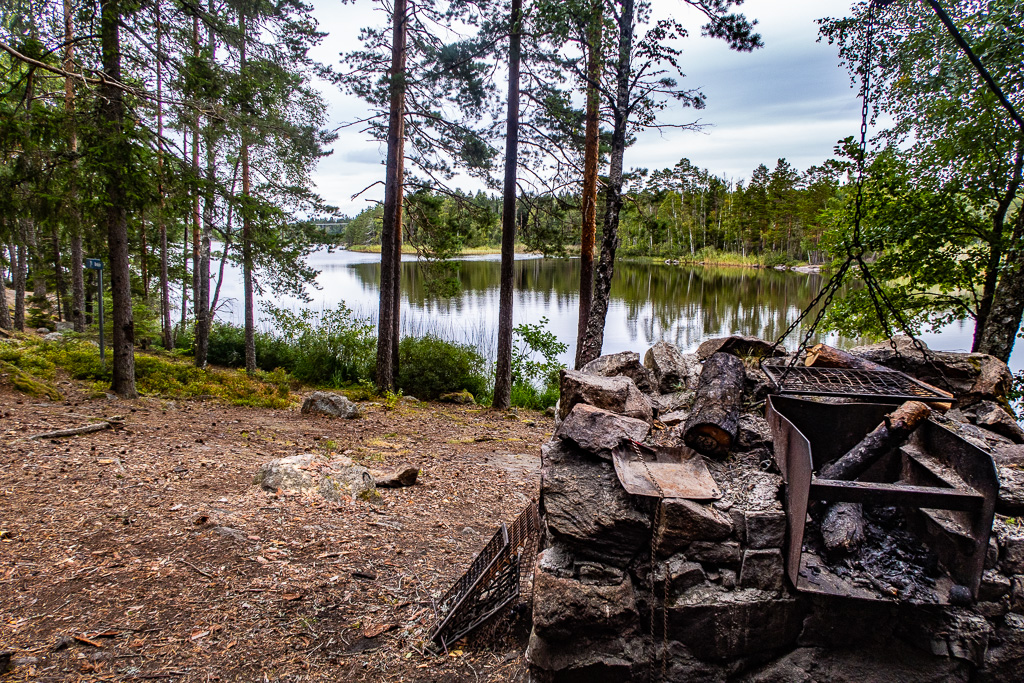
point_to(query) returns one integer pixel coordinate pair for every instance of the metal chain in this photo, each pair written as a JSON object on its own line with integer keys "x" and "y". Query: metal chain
{"x": 650, "y": 576}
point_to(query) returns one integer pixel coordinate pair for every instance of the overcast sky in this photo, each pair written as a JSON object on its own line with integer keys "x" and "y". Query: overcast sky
{"x": 789, "y": 99}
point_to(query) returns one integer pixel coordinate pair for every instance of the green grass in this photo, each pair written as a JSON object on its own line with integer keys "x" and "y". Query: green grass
{"x": 157, "y": 375}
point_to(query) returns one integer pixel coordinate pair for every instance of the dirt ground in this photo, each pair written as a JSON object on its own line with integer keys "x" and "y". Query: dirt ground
{"x": 146, "y": 553}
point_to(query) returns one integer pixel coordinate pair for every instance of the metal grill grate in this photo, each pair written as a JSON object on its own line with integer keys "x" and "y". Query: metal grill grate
{"x": 875, "y": 384}
{"x": 492, "y": 582}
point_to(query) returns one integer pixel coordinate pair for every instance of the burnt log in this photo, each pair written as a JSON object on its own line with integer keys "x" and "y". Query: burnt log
{"x": 825, "y": 356}
{"x": 882, "y": 439}
{"x": 714, "y": 421}
{"x": 842, "y": 527}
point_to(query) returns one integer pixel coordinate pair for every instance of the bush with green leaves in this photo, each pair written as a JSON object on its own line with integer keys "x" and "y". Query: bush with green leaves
{"x": 535, "y": 365}
{"x": 331, "y": 348}
{"x": 430, "y": 366}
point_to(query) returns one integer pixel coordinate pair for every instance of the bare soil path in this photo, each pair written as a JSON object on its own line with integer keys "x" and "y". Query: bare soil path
{"x": 145, "y": 553}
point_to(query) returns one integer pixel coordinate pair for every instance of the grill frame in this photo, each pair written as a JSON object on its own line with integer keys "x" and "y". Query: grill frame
{"x": 878, "y": 385}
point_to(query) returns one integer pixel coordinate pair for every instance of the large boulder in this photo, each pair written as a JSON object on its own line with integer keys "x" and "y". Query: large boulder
{"x": 335, "y": 479}
{"x": 586, "y": 509}
{"x": 993, "y": 417}
{"x": 617, "y": 394}
{"x": 739, "y": 345}
{"x": 973, "y": 377}
{"x": 600, "y": 431}
{"x": 684, "y": 521}
{"x": 562, "y": 607}
{"x": 325, "y": 403}
{"x": 672, "y": 369}
{"x": 625, "y": 364}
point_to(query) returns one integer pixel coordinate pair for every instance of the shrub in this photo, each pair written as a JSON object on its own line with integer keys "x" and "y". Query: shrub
{"x": 535, "y": 366}
{"x": 429, "y": 366}
{"x": 332, "y": 348}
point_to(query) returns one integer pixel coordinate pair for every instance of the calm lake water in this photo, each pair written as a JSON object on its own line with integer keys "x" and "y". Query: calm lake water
{"x": 680, "y": 304}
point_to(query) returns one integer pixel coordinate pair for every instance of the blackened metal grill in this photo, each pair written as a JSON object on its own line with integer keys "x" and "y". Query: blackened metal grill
{"x": 492, "y": 582}
{"x": 884, "y": 385}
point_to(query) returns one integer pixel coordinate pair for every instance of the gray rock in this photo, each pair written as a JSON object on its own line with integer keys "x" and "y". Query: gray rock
{"x": 754, "y": 433}
{"x": 1011, "y": 548}
{"x": 893, "y": 663}
{"x": 403, "y": 475}
{"x": 562, "y": 607}
{"x": 617, "y": 394}
{"x": 1011, "y": 491}
{"x": 556, "y": 560}
{"x": 765, "y": 529}
{"x": 670, "y": 403}
{"x": 672, "y": 369}
{"x": 762, "y": 569}
{"x": 583, "y": 659}
{"x": 335, "y": 405}
{"x": 993, "y": 417}
{"x": 716, "y": 624}
{"x": 972, "y": 377}
{"x": 462, "y": 398}
{"x": 738, "y": 345}
{"x": 948, "y": 633}
{"x": 993, "y": 586}
{"x": 42, "y": 330}
{"x": 64, "y": 326}
{"x": 600, "y": 431}
{"x": 625, "y": 364}
{"x": 587, "y": 509}
{"x": 1004, "y": 660}
{"x": 333, "y": 479}
{"x": 721, "y": 554}
{"x": 674, "y": 418}
{"x": 228, "y": 532}
{"x": 53, "y": 337}
{"x": 683, "y": 575}
{"x": 598, "y": 574}
{"x": 684, "y": 521}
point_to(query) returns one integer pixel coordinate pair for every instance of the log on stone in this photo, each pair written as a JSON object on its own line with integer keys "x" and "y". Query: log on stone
{"x": 714, "y": 421}
{"x": 842, "y": 527}
{"x": 825, "y": 356}
{"x": 882, "y": 439}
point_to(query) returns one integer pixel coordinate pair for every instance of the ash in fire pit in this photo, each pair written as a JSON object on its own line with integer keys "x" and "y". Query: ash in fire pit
{"x": 892, "y": 560}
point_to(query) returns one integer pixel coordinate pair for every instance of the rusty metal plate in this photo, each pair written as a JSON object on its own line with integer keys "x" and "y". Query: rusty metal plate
{"x": 679, "y": 471}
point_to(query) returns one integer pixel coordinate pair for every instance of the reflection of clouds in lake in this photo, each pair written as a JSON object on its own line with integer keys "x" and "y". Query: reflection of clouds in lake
{"x": 649, "y": 303}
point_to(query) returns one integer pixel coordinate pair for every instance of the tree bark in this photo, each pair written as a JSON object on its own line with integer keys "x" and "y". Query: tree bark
{"x": 204, "y": 315}
{"x": 390, "y": 243}
{"x": 714, "y": 421}
{"x": 250, "y": 315}
{"x": 882, "y": 439}
{"x": 111, "y": 114}
{"x": 1004, "y": 318}
{"x": 594, "y": 339}
{"x": 503, "y": 362}
{"x": 165, "y": 288}
{"x": 196, "y": 207}
{"x": 74, "y": 214}
{"x": 590, "y": 161}
{"x": 6, "y": 322}
{"x": 19, "y": 259}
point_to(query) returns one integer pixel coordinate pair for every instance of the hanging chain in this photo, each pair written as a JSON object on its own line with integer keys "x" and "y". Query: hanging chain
{"x": 650, "y": 577}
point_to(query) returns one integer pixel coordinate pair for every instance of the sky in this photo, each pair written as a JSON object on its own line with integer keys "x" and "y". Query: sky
{"x": 790, "y": 99}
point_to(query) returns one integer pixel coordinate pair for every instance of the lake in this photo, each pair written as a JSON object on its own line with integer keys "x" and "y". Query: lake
{"x": 681, "y": 304}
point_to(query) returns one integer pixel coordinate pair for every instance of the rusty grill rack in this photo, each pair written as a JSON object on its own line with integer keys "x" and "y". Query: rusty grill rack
{"x": 884, "y": 385}
{"x": 492, "y": 582}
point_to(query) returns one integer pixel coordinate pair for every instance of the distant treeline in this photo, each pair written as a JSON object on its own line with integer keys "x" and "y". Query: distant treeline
{"x": 682, "y": 212}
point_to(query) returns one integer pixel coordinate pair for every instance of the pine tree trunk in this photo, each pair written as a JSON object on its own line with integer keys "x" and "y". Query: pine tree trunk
{"x": 503, "y": 362}
{"x": 594, "y": 339}
{"x": 111, "y": 114}
{"x": 165, "y": 288}
{"x": 6, "y": 322}
{"x": 203, "y": 312}
{"x": 58, "y": 276}
{"x": 250, "y": 315}
{"x": 196, "y": 210}
{"x": 74, "y": 211}
{"x": 19, "y": 258}
{"x": 390, "y": 241}
{"x": 590, "y": 162}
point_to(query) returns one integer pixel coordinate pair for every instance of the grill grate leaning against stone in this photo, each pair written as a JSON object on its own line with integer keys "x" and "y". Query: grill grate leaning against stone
{"x": 876, "y": 384}
{"x": 493, "y": 581}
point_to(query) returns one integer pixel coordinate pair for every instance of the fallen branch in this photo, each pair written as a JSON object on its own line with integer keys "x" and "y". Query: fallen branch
{"x": 75, "y": 431}
{"x": 206, "y": 574}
